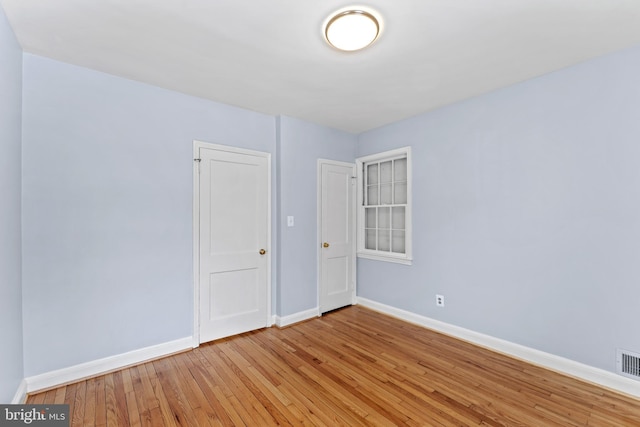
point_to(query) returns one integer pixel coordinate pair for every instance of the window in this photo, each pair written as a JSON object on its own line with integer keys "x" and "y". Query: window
{"x": 384, "y": 206}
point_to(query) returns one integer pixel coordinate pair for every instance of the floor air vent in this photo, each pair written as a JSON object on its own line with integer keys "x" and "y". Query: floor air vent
{"x": 628, "y": 364}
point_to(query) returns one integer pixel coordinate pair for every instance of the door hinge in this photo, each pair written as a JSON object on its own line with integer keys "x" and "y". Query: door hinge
{"x": 197, "y": 160}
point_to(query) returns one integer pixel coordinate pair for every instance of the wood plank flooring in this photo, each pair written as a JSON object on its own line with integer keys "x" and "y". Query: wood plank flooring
{"x": 350, "y": 367}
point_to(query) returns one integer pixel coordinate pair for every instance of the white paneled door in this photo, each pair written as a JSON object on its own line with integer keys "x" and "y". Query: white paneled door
{"x": 337, "y": 234}
{"x": 233, "y": 240}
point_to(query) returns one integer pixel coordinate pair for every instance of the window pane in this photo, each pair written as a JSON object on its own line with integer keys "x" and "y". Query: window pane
{"x": 384, "y": 218}
{"x": 372, "y": 174}
{"x": 383, "y": 240}
{"x": 400, "y": 193}
{"x": 372, "y": 195}
{"x": 400, "y": 170}
{"x": 370, "y": 240}
{"x": 370, "y": 218}
{"x": 385, "y": 194}
{"x": 398, "y": 242}
{"x": 397, "y": 218}
{"x": 385, "y": 171}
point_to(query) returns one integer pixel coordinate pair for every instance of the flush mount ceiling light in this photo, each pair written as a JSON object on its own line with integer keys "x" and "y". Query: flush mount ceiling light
{"x": 351, "y": 29}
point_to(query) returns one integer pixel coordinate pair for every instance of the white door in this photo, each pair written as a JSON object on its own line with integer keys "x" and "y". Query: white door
{"x": 337, "y": 234}
{"x": 233, "y": 241}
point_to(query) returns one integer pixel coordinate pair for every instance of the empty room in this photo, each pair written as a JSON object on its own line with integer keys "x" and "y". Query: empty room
{"x": 418, "y": 212}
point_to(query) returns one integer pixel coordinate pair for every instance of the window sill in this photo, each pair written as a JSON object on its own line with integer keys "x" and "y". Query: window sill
{"x": 376, "y": 257}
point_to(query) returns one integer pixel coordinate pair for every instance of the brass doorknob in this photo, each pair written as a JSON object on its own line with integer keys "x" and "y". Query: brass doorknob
{"x": 262, "y": 252}
{"x": 325, "y": 244}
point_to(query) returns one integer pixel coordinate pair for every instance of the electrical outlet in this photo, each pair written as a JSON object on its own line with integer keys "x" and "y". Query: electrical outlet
{"x": 440, "y": 300}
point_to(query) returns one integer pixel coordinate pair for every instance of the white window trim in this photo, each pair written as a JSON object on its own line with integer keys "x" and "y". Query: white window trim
{"x": 407, "y": 257}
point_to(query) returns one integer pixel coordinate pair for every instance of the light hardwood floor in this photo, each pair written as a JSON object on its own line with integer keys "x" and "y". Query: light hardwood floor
{"x": 350, "y": 367}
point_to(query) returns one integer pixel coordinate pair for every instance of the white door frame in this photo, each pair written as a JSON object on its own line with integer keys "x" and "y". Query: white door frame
{"x": 196, "y": 228}
{"x": 319, "y": 231}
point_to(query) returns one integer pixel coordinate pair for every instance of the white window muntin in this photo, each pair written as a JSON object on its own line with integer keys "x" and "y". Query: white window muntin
{"x": 391, "y": 205}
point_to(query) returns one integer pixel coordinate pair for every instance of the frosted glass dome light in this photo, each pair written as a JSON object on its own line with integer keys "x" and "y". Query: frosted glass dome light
{"x": 352, "y": 30}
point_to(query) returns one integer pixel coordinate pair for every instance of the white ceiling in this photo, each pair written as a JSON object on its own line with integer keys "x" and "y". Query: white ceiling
{"x": 270, "y": 56}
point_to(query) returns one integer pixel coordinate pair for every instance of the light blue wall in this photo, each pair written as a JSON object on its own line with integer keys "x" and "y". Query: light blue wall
{"x": 527, "y": 212}
{"x": 107, "y": 209}
{"x": 11, "y": 372}
{"x": 526, "y": 215}
{"x": 300, "y": 145}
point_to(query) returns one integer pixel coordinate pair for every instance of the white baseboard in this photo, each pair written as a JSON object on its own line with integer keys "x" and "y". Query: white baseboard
{"x": 21, "y": 394}
{"x": 537, "y": 357}
{"x": 108, "y": 364}
{"x": 297, "y": 317}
